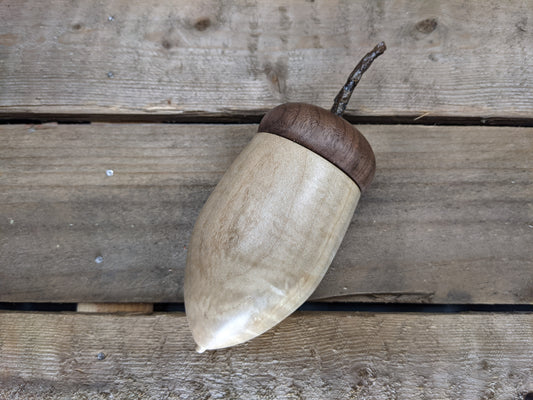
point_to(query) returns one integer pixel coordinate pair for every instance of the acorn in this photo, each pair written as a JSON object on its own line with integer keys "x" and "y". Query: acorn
{"x": 271, "y": 227}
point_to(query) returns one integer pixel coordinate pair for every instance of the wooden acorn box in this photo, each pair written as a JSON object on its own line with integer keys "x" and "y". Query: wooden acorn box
{"x": 99, "y": 194}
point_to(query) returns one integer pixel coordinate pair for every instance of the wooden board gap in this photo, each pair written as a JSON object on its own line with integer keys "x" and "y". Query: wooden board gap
{"x": 313, "y": 306}
{"x": 45, "y": 307}
{"x": 252, "y": 117}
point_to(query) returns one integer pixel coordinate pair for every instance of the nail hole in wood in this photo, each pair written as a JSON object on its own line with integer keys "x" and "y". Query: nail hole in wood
{"x": 427, "y": 25}
{"x": 202, "y": 24}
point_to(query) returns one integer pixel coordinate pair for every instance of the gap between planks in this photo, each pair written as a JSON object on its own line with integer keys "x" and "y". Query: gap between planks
{"x": 254, "y": 117}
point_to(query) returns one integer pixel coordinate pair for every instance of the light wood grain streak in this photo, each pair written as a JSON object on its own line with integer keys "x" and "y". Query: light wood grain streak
{"x": 308, "y": 356}
{"x": 145, "y": 308}
{"x": 447, "y": 58}
{"x": 448, "y": 218}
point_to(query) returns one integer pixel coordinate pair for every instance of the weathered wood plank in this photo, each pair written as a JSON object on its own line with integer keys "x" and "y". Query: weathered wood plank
{"x": 446, "y": 58}
{"x": 308, "y": 356}
{"x": 448, "y": 219}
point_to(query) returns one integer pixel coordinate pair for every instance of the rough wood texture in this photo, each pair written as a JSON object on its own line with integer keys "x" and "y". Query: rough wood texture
{"x": 450, "y": 58}
{"x": 326, "y": 134}
{"x": 308, "y": 356}
{"x": 448, "y": 218}
{"x": 264, "y": 240}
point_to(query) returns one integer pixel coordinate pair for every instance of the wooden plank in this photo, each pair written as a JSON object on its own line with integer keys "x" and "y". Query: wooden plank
{"x": 308, "y": 356}
{"x": 216, "y": 58}
{"x": 448, "y": 219}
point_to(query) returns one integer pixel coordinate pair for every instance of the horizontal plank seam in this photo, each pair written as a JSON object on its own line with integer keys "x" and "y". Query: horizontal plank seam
{"x": 322, "y": 306}
{"x": 36, "y": 119}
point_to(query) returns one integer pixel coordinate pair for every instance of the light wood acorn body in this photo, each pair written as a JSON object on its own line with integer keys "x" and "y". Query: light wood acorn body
{"x": 269, "y": 231}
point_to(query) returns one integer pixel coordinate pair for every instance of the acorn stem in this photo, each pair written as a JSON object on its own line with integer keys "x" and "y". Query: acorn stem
{"x": 342, "y": 99}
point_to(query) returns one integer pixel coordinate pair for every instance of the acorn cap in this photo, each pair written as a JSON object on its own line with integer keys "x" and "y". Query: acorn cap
{"x": 327, "y": 135}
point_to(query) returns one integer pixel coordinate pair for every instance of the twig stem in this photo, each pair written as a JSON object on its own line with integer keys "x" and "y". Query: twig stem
{"x": 342, "y": 99}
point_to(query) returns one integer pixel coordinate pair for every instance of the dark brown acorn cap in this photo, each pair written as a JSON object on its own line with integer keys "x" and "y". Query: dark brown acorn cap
{"x": 326, "y": 134}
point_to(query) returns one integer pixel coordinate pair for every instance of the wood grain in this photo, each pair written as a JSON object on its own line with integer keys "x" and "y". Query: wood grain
{"x": 326, "y": 134}
{"x": 145, "y": 308}
{"x": 221, "y": 58}
{"x": 448, "y": 218}
{"x": 264, "y": 240}
{"x": 308, "y": 356}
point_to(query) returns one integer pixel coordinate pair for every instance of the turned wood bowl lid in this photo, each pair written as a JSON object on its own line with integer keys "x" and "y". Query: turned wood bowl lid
{"x": 326, "y": 134}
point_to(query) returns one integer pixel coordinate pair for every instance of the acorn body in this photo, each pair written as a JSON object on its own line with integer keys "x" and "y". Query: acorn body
{"x": 264, "y": 240}
{"x": 269, "y": 231}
